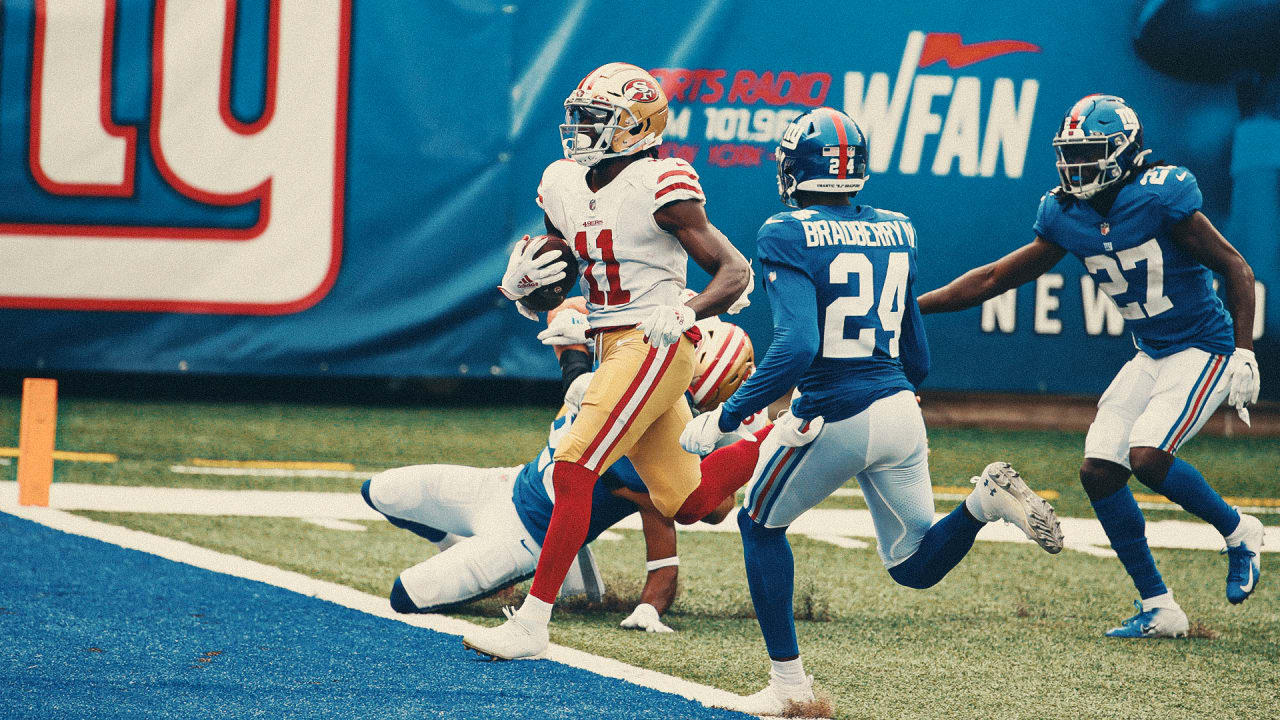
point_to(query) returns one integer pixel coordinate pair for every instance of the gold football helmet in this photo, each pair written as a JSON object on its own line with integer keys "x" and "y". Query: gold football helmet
{"x": 723, "y": 360}
{"x": 617, "y": 110}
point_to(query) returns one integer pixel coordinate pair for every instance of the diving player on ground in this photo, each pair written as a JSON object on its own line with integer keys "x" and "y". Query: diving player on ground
{"x": 1139, "y": 231}
{"x": 848, "y": 333}
{"x": 489, "y": 523}
{"x": 633, "y": 221}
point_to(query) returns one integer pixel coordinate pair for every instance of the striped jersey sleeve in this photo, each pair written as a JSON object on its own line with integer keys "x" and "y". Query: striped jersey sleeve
{"x": 676, "y": 180}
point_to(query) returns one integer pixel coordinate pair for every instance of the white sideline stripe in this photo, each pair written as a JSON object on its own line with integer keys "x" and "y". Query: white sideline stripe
{"x": 236, "y": 566}
{"x": 333, "y": 524}
{"x": 1252, "y": 510}
{"x": 1083, "y": 534}
{"x": 271, "y": 472}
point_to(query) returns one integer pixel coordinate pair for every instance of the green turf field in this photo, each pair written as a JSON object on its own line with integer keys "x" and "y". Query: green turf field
{"x": 1012, "y": 632}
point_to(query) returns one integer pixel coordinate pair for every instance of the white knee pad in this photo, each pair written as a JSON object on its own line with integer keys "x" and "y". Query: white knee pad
{"x": 396, "y": 491}
{"x": 1108, "y": 437}
{"x": 473, "y": 568}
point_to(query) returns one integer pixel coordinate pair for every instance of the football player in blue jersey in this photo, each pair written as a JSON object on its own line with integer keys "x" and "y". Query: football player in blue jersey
{"x": 848, "y": 333}
{"x": 1139, "y": 231}
{"x": 489, "y": 523}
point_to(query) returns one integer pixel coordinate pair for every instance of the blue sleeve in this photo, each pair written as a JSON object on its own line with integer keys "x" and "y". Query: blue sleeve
{"x": 1044, "y": 216}
{"x": 795, "y": 343}
{"x": 1181, "y": 195}
{"x": 780, "y": 242}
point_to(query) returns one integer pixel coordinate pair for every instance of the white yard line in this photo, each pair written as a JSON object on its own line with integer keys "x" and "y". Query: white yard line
{"x": 182, "y": 552}
{"x": 272, "y": 472}
{"x": 827, "y": 525}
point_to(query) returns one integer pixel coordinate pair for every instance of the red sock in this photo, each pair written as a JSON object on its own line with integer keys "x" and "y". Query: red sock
{"x": 570, "y": 518}
{"x": 723, "y": 472}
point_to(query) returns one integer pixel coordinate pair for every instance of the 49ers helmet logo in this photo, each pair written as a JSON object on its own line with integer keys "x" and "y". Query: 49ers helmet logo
{"x": 640, "y": 90}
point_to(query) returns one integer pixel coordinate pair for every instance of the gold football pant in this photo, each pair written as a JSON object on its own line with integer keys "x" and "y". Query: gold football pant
{"x": 634, "y": 406}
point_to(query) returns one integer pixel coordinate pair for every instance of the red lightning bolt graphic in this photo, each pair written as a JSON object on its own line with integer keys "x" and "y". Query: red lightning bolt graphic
{"x": 949, "y": 47}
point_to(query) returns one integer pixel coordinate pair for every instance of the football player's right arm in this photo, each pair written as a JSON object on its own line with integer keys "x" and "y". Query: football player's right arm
{"x": 795, "y": 344}
{"x": 983, "y": 283}
{"x": 711, "y": 250}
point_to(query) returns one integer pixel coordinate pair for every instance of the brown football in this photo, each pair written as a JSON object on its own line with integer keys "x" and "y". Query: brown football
{"x": 549, "y": 297}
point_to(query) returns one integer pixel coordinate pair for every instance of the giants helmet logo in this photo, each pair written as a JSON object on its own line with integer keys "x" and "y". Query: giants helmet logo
{"x": 640, "y": 90}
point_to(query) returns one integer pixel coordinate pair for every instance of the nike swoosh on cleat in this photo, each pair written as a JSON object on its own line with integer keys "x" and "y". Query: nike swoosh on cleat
{"x": 1248, "y": 587}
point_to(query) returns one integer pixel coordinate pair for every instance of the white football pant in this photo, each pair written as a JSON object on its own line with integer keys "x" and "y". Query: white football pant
{"x": 1157, "y": 403}
{"x": 495, "y": 550}
{"x": 884, "y": 447}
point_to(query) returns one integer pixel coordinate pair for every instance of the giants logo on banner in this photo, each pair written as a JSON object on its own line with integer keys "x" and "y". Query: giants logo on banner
{"x": 963, "y": 142}
{"x": 233, "y": 216}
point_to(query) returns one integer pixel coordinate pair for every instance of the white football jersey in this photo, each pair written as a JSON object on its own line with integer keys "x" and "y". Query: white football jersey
{"x": 629, "y": 265}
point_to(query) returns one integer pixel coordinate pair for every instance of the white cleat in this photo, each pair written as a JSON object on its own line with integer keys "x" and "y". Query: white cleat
{"x": 1153, "y": 623}
{"x": 514, "y": 639}
{"x": 1003, "y": 495}
{"x": 778, "y": 700}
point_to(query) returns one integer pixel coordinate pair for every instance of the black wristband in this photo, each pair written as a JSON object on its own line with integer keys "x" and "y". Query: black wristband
{"x": 573, "y": 364}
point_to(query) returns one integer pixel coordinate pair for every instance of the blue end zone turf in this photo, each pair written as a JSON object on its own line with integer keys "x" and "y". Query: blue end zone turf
{"x": 94, "y": 630}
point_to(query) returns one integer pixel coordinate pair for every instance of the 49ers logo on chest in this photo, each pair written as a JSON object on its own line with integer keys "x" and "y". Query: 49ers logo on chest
{"x": 640, "y": 90}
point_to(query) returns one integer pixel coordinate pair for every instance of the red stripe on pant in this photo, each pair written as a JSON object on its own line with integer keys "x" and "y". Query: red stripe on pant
{"x": 570, "y": 520}
{"x": 723, "y": 472}
{"x": 1196, "y": 408}
{"x": 663, "y": 355}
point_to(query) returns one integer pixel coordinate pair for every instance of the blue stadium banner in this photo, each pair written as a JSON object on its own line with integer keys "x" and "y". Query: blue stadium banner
{"x": 331, "y": 187}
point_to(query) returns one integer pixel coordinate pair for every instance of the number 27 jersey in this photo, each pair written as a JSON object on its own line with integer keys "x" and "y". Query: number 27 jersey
{"x": 1165, "y": 296}
{"x": 629, "y": 265}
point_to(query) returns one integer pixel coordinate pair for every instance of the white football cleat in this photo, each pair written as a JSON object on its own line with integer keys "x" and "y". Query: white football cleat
{"x": 1162, "y": 622}
{"x": 778, "y": 700}
{"x": 514, "y": 639}
{"x": 1003, "y": 495}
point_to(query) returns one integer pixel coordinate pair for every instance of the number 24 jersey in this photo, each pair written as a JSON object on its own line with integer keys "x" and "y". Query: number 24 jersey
{"x": 1165, "y": 296}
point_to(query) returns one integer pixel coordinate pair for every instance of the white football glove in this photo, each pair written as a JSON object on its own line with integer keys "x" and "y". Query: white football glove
{"x": 791, "y": 431}
{"x": 1244, "y": 381}
{"x": 526, "y": 273}
{"x": 568, "y": 327}
{"x": 702, "y": 434}
{"x": 577, "y": 391}
{"x": 645, "y": 617}
{"x": 667, "y": 323}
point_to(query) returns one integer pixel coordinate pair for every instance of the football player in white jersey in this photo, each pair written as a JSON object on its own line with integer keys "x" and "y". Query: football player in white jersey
{"x": 633, "y": 220}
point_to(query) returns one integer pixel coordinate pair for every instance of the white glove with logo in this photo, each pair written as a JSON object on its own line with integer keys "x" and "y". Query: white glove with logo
{"x": 645, "y": 617}
{"x": 568, "y": 327}
{"x": 526, "y": 273}
{"x": 667, "y": 323}
{"x": 1244, "y": 381}
{"x": 702, "y": 434}
{"x": 791, "y": 431}
{"x": 576, "y": 392}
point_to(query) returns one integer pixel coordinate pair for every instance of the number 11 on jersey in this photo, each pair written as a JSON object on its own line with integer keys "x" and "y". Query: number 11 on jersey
{"x": 613, "y": 293}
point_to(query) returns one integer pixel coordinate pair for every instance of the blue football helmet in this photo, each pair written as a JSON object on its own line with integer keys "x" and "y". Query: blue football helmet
{"x": 1097, "y": 144}
{"x": 823, "y": 150}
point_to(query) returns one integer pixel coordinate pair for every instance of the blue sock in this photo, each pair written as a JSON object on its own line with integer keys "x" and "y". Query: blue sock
{"x": 771, "y": 576}
{"x": 1187, "y": 487}
{"x": 1126, "y": 529}
{"x": 418, "y": 529}
{"x": 942, "y": 548}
